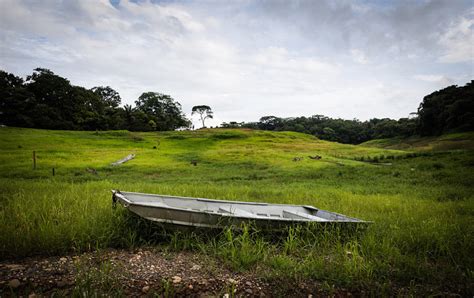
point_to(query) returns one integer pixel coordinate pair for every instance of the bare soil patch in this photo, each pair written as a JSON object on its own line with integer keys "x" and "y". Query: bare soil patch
{"x": 143, "y": 272}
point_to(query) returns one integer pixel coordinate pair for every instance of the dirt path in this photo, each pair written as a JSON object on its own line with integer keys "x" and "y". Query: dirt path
{"x": 145, "y": 272}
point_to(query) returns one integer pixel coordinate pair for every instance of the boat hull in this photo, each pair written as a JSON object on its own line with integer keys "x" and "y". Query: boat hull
{"x": 197, "y": 212}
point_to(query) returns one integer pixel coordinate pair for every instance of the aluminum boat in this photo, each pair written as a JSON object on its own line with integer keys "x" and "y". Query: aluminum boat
{"x": 200, "y": 212}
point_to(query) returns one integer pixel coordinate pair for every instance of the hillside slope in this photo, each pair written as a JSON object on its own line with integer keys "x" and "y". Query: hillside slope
{"x": 235, "y": 154}
{"x": 456, "y": 141}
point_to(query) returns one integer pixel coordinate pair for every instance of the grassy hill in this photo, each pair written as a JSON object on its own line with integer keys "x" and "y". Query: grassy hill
{"x": 455, "y": 141}
{"x": 422, "y": 205}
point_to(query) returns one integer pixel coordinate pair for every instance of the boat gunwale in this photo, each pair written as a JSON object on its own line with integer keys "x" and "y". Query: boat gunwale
{"x": 347, "y": 219}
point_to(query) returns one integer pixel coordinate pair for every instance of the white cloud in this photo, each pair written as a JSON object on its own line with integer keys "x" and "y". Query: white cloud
{"x": 243, "y": 60}
{"x": 432, "y": 78}
{"x": 359, "y": 56}
{"x": 458, "y": 40}
{"x": 437, "y": 81}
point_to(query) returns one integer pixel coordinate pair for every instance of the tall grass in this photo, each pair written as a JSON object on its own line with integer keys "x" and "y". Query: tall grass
{"x": 422, "y": 206}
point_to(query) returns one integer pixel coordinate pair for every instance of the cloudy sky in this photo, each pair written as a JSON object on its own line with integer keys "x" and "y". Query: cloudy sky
{"x": 247, "y": 59}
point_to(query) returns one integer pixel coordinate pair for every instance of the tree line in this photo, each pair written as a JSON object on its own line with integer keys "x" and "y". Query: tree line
{"x": 448, "y": 110}
{"x": 337, "y": 130}
{"x": 47, "y": 100}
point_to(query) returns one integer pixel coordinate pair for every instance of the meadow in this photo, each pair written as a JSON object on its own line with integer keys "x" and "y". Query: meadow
{"x": 418, "y": 194}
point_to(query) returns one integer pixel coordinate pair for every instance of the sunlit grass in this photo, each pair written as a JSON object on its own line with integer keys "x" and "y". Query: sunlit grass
{"x": 421, "y": 205}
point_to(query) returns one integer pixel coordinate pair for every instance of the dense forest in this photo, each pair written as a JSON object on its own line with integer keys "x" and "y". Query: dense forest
{"x": 47, "y": 100}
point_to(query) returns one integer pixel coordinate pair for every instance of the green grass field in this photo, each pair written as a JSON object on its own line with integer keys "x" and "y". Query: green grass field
{"x": 422, "y": 205}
